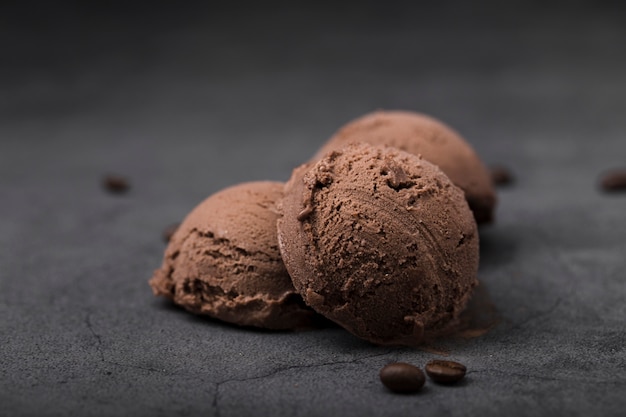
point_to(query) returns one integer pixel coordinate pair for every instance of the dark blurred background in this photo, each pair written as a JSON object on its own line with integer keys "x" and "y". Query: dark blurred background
{"x": 186, "y": 70}
{"x": 219, "y": 78}
{"x": 215, "y": 81}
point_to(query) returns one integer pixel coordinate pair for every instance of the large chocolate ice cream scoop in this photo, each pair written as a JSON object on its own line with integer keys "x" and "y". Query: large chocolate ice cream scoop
{"x": 434, "y": 141}
{"x": 379, "y": 241}
{"x": 224, "y": 261}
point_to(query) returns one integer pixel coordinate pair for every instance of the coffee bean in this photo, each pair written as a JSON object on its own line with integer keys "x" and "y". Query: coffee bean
{"x": 445, "y": 372}
{"x": 169, "y": 231}
{"x": 115, "y": 184}
{"x": 402, "y": 377}
{"x": 614, "y": 180}
{"x": 501, "y": 175}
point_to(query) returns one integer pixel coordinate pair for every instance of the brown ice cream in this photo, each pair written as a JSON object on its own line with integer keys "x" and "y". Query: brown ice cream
{"x": 224, "y": 261}
{"x": 379, "y": 241}
{"x": 434, "y": 141}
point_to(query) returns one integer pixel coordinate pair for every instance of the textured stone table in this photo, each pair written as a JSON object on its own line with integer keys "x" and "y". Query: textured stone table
{"x": 187, "y": 100}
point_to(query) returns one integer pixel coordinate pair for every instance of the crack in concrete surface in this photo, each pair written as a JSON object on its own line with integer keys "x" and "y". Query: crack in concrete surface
{"x": 218, "y": 385}
{"x": 215, "y": 406}
{"x": 95, "y": 335}
{"x": 100, "y": 351}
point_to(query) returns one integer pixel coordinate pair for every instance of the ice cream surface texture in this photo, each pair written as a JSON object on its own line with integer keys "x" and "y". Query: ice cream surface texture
{"x": 434, "y": 141}
{"x": 379, "y": 241}
{"x": 224, "y": 261}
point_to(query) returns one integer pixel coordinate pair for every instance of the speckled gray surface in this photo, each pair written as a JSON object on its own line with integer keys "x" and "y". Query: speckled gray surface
{"x": 186, "y": 100}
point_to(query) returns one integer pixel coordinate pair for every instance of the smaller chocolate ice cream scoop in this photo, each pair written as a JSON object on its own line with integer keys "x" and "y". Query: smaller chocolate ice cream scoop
{"x": 379, "y": 241}
{"x": 434, "y": 141}
{"x": 223, "y": 261}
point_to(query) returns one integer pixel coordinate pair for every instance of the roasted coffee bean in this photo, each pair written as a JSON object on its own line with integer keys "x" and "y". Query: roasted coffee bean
{"x": 445, "y": 372}
{"x": 501, "y": 175}
{"x": 614, "y": 181}
{"x": 402, "y": 377}
{"x": 169, "y": 231}
{"x": 115, "y": 184}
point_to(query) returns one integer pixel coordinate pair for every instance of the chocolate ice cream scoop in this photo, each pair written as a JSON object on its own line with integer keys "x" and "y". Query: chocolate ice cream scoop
{"x": 379, "y": 241}
{"x": 224, "y": 261}
{"x": 434, "y": 141}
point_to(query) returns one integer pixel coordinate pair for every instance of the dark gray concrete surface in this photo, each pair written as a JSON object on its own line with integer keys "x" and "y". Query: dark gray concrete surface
{"x": 189, "y": 98}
